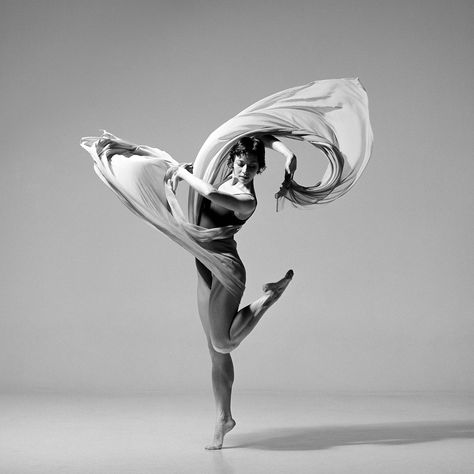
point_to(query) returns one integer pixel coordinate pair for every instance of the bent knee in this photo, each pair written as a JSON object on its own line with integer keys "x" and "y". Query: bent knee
{"x": 223, "y": 346}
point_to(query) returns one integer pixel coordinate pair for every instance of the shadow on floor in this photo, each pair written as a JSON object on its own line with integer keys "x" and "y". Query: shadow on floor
{"x": 324, "y": 437}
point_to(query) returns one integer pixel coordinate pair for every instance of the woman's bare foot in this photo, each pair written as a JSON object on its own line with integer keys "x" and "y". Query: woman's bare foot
{"x": 276, "y": 289}
{"x": 272, "y": 291}
{"x": 222, "y": 428}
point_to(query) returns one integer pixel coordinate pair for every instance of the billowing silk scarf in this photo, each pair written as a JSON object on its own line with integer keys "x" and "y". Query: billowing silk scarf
{"x": 331, "y": 115}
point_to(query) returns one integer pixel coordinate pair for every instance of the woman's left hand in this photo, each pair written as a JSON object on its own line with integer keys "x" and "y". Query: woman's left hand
{"x": 290, "y": 165}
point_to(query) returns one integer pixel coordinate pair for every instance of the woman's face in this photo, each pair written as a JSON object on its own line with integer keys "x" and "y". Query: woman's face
{"x": 245, "y": 168}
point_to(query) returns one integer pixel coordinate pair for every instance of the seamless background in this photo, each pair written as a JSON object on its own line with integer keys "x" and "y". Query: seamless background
{"x": 92, "y": 300}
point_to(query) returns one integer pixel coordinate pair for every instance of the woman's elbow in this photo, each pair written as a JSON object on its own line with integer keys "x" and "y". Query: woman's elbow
{"x": 209, "y": 192}
{"x": 267, "y": 139}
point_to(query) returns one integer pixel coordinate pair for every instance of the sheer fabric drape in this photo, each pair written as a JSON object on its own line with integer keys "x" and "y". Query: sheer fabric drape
{"x": 331, "y": 115}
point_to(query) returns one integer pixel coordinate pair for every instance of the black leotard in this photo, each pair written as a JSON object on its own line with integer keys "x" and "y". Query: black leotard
{"x": 213, "y": 215}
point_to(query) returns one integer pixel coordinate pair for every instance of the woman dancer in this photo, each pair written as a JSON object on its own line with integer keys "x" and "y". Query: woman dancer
{"x": 232, "y": 203}
{"x": 331, "y": 115}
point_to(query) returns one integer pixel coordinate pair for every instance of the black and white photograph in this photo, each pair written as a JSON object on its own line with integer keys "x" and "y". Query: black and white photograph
{"x": 237, "y": 237}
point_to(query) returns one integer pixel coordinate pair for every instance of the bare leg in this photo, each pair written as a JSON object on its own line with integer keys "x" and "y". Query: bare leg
{"x": 222, "y": 366}
{"x": 229, "y": 327}
{"x": 225, "y": 328}
{"x": 247, "y": 318}
{"x": 222, "y": 380}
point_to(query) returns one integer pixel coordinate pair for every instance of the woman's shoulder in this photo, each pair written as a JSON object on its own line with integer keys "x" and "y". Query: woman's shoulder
{"x": 229, "y": 188}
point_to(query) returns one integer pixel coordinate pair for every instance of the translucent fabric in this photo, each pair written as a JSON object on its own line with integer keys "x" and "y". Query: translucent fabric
{"x": 142, "y": 184}
{"x": 331, "y": 115}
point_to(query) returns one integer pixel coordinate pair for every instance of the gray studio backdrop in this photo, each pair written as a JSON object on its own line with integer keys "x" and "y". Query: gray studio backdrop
{"x": 93, "y": 300}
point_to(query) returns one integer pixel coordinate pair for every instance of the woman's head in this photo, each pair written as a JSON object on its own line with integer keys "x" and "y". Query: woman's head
{"x": 247, "y": 158}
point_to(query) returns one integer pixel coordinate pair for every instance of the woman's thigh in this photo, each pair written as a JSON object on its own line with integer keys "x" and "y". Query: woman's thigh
{"x": 204, "y": 283}
{"x": 223, "y": 307}
{"x": 217, "y": 306}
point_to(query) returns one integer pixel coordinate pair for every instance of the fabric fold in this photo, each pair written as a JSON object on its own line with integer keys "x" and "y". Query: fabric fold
{"x": 139, "y": 182}
{"x": 331, "y": 115}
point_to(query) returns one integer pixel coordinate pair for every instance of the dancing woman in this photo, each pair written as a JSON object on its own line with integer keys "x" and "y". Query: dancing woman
{"x": 232, "y": 203}
{"x": 330, "y": 115}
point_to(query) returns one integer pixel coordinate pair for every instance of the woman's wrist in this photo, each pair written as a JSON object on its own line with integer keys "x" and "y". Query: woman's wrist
{"x": 180, "y": 171}
{"x": 290, "y": 165}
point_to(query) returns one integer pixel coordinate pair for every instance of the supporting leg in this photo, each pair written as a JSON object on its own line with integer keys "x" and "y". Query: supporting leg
{"x": 222, "y": 366}
{"x": 222, "y": 380}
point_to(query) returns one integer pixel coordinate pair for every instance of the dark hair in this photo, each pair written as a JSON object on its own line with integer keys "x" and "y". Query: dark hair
{"x": 248, "y": 146}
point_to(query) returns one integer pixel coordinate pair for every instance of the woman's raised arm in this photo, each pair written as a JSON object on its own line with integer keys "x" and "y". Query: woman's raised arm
{"x": 274, "y": 144}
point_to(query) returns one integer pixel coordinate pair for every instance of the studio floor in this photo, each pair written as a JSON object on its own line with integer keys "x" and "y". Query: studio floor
{"x": 282, "y": 432}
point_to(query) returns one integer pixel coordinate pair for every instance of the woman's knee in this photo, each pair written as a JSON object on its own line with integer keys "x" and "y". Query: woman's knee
{"x": 217, "y": 356}
{"x": 223, "y": 345}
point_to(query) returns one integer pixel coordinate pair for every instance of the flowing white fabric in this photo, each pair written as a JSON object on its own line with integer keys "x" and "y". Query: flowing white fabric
{"x": 331, "y": 115}
{"x": 141, "y": 183}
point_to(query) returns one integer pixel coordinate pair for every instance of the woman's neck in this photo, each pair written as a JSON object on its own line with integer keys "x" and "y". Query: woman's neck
{"x": 248, "y": 188}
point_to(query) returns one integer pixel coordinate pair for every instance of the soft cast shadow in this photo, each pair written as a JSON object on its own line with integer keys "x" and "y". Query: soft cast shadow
{"x": 324, "y": 437}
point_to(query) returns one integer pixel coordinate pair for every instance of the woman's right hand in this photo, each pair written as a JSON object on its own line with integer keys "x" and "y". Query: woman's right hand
{"x": 188, "y": 167}
{"x": 173, "y": 174}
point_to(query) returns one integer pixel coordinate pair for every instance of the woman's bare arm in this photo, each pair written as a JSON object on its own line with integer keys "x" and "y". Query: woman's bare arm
{"x": 274, "y": 144}
{"x": 241, "y": 203}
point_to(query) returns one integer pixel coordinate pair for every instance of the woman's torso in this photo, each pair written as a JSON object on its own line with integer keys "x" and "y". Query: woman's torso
{"x": 212, "y": 215}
